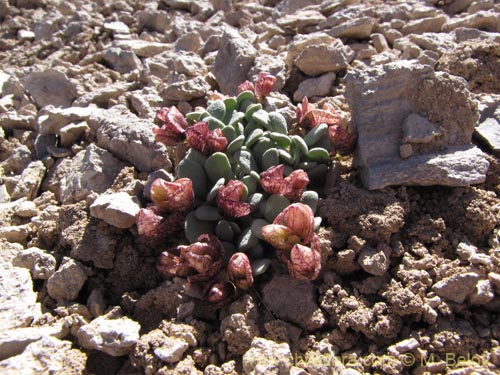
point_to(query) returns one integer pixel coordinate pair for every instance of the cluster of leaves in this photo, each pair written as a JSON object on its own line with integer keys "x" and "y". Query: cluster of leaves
{"x": 240, "y": 194}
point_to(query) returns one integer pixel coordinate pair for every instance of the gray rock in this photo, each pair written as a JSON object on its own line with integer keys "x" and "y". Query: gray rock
{"x": 71, "y": 133}
{"x": 50, "y": 87}
{"x": 146, "y": 102}
{"x": 30, "y": 182}
{"x": 292, "y": 6}
{"x": 462, "y": 34}
{"x": 65, "y": 284}
{"x": 91, "y": 170}
{"x": 186, "y": 90}
{"x": 456, "y": 287}
{"x": 115, "y": 336}
{"x": 300, "y": 20}
{"x": 274, "y": 64}
{"x": 118, "y": 209}
{"x": 324, "y": 58}
{"x": 12, "y": 120}
{"x": 121, "y": 60}
{"x": 15, "y": 233}
{"x": 374, "y": 262}
{"x": 233, "y": 61}
{"x": 18, "y": 306}
{"x": 482, "y": 294}
{"x": 17, "y": 161}
{"x": 358, "y": 28}
{"x": 130, "y": 138}
{"x": 96, "y": 304}
{"x": 417, "y": 129}
{"x": 267, "y": 357}
{"x": 154, "y": 19}
{"x": 9, "y": 251}
{"x": 26, "y": 209}
{"x": 42, "y": 143}
{"x": 50, "y": 24}
{"x": 51, "y": 120}
{"x": 320, "y": 86}
{"x": 171, "y": 350}
{"x": 143, "y": 48}
{"x": 457, "y": 6}
{"x": 191, "y": 41}
{"x": 486, "y": 20}
{"x": 280, "y": 295}
{"x": 116, "y": 27}
{"x": 488, "y": 132}
{"x": 424, "y": 25}
{"x": 14, "y": 341}
{"x": 238, "y": 331}
{"x": 379, "y": 42}
{"x": 41, "y": 264}
{"x": 169, "y": 67}
{"x": 382, "y": 97}
{"x": 45, "y": 356}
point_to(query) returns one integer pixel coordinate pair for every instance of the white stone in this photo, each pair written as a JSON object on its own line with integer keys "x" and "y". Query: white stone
{"x": 118, "y": 209}
{"x": 16, "y": 233}
{"x": 171, "y": 350}
{"x": 456, "y": 287}
{"x": 267, "y": 357}
{"x": 67, "y": 281}
{"x": 488, "y": 131}
{"x": 117, "y": 27}
{"x": 26, "y": 209}
{"x": 320, "y": 86}
{"x": 41, "y": 264}
{"x": 115, "y": 337}
{"x": 18, "y": 306}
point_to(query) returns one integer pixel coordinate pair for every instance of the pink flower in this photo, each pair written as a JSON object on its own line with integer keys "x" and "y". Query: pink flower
{"x": 342, "y": 139}
{"x": 229, "y": 200}
{"x": 309, "y": 117}
{"x": 172, "y": 128}
{"x": 173, "y": 196}
{"x": 240, "y": 271}
{"x": 262, "y": 88}
{"x": 199, "y": 261}
{"x": 207, "y": 141}
{"x": 292, "y": 187}
{"x": 304, "y": 262}
{"x": 293, "y": 225}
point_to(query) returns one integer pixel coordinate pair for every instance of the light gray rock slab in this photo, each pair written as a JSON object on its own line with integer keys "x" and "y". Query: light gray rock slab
{"x": 91, "y": 170}
{"x": 103, "y": 95}
{"x": 488, "y": 132}
{"x": 143, "y": 48}
{"x": 318, "y": 86}
{"x": 358, "y": 28}
{"x": 115, "y": 337}
{"x": 15, "y": 233}
{"x": 417, "y": 129}
{"x": 233, "y": 61}
{"x": 423, "y": 25}
{"x": 172, "y": 349}
{"x": 122, "y": 61}
{"x": 12, "y": 120}
{"x": 67, "y": 281}
{"x": 324, "y": 58}
{"x": 14, "y": 341}
{"x": 26, "y": 209}
{"x": 383, "y": 97}
{"x": 51, "y": 119}
{"x": 118, "y": 209}
{"x": 486, "y": 20}
{"x": 18, "y": 306}
{"x": 50, "y": 87}
{"x": 186, "y": 90}
{"x": 117, "y": 27}
{"x": 456, "y": 287}
{"x": 130, "y": 138}
{"x": 30, "y": 181}
{"x": 48, "y": 355}
{"x": 301, "y": 19}
{"x": 267, "y": 357}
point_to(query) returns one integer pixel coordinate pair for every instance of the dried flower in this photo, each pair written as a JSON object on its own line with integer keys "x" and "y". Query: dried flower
{"x": 204, "y": 257}
{"x": 172, "y": 128}
{"x": 280, "y": 236}
{"x": 309, "y": 117}
{"x": 154, "y": 228}
{"x": 172, "y": 265}
{"x": 173, "y": 196}
{"x": 292, "y": 187}
{"x": 262, "y": 88}
{"x": 240, "y": 271}
{"x": 304, "y": 262}
{"x": 207, "y": 141}
{"x": 342, "y": 139}
{"x": 229, "y": 200}
{"x": 299, "y": 218}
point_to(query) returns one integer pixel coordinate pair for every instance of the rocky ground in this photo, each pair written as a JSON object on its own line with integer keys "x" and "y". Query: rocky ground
{"x": 411, "y": 281}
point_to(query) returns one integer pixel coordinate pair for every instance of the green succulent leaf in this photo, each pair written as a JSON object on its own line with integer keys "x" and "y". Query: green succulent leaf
{"x": 214, "y": 123}
{"x": 315, "y": 134}
{"x": 245, "y": 95}
{"x": 255, "y": 252}
{"x": 235, "y": 118}
{"x": 257, "y": 227}
{"x": 217, "y": 166}
{"x": 253, "y": 137}
{"x": 196, "y": 156}
{"x": 301, "y": 145}
{"x": 194, "y": 171}
{"x": 318, "y": 154}
{"x": 317, "y": 222}
{"x": 217, "y": 109}
{"x": 208, "y": 213}
{"x": 282, "y": 140}
{"x": 250, "y": 183}
{"x": 212, "y": 194}
{"x": 194, "y": 116}
{"x": 252, "y": 108}
{"x": 259, "y": 266}
{"x": 246, "y": 240}
{"x": 224, "y": 231}
{"x": 274, "y": 205}
{"x": 270, "y": 158}
{"x": 286, "y": 157}
{"x": 235, "y": 145}
{"x": 278, "y": 123}
{"x": 261, "y": 117}
{"x": 229, "y": 133}
{"x": 193, "y": 227}
{"x": 311, "y": 198}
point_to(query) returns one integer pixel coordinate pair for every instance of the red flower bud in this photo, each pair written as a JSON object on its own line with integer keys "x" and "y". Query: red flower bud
{"x": 203, "y": 257}
{"x": 240, "y": 271}
{"x": 280, "y": 236}
{"x": 172, "y": 265}
{"x": 343, "y": 140}
{"x": 154, "y": 228}
{"x": 207, "y": 141}
{"x": 246, "y": 86}
{"x": 292, "y": 187}
{"x": 304, "y": 262}
{"x": 220, "y": 292}
{"x": 172, "y": 126}
{"x": 264, "y": 85}
{"x": 173, "y": 196}
{"x": 299, "y": 218}
{"x": 229, "y": 200}
{"x": 309, "y": 117}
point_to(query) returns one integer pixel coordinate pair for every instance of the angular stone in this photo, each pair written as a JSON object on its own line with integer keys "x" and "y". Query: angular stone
{"x": 172, "y": 350}
{"x": 14, "y": 341}
{"x": 41, "y": 264}
{"x": 488, "y": 132}
{"x": 267, "y": 357}
{"x": 319, "y": 86}
{"x": 30, "y": 182}
{"x": 46, "y": 356}
{"x": 51, "y": 120}
{"x": 15, "y": 233}
{"x": 91, "y": 170}
{"x": 324, "y": 58}
{"x": 103, "y": 95}
{"x": 381, "y": 98}
{"x": 129, "y": 137}
{"x": 301, "y": 19}
{"x": 186, "y": 90}
{"x": 18, "y": 306}
{"x": 301, "y": 42}
{"x": 280, "y": 295}
{"x": 359, "y": 28}
{"x": 233, "y": 61}
{"x": 118, "y": 209}
{"x": 374, "y": 262}
{"x": 457, "y": 287}
{"x": 115, "y": 336}
{"x": 486, "y": 20}
{"x": 424, "y": 25}
{"x": 120, "y": 60}
{"x": 12, "y": 120}
{"x": 67, "y": 281}
{"x": 26, "y": 209}
{"x": 143, "y": 48}
{"x": 117, "y": 27}
{"x": 50, "y": 87}
{"x": 70, "y": 134}
{"x": 417, "y": 129}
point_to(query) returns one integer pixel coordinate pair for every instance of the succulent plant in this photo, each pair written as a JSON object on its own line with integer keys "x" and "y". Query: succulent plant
{"x": 246, "y": 195}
